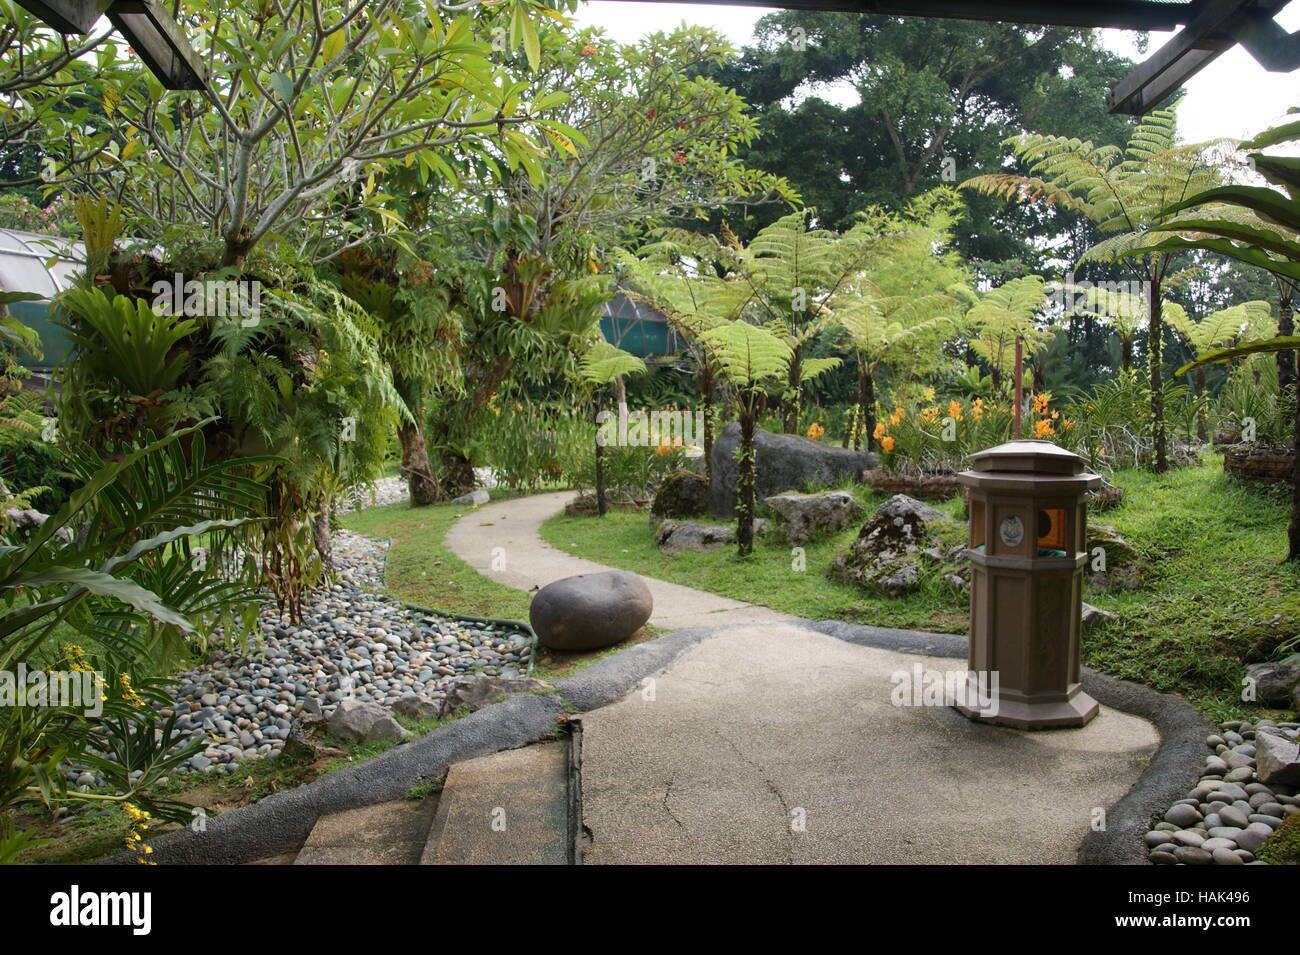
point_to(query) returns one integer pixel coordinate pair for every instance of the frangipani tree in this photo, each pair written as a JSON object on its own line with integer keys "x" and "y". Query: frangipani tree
{"x": 1123, "y": 192}
{"x": 750, "y": 360}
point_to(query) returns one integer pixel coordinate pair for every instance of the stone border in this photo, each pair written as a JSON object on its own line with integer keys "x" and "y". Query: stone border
{"x": 282, "y": 822}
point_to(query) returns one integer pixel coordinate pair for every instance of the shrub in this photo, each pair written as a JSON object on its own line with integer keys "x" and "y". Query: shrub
{"x": 1283, "y": 847}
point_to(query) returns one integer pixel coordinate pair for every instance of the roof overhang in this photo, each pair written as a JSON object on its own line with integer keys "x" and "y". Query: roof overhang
{"x": 146, "y": 25}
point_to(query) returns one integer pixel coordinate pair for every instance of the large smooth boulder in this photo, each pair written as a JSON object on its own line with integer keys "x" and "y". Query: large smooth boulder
{"x": 885, "y": 557}
{"x": 590, "y": 611}
{"x": 681, "y": 494}
{"x": 783, "y": 462}
{"x": 809, "y": 517}
{"x": 677, "y": 537}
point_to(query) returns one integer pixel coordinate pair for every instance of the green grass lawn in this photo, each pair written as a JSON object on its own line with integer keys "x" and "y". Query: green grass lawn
{"x": 1219, "y": 592}
{"x": 422, "y": 571}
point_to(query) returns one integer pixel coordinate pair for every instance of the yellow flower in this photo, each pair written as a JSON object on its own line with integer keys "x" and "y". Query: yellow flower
{"x": 887, "y": 443}
{"x": 815, "y": 431}
{"x": 929, "y": 393}
{"x": 1043, "y": 428}
{"x": 1040, "y": 403}
{"x": 896, "y": 418}
{"x": 954, "y": 410}
{"x": 929, "y": 414}
{"x": 1067, "y": 424}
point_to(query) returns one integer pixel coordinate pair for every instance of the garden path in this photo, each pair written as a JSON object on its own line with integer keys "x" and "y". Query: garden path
{"x": 768, "y": 742}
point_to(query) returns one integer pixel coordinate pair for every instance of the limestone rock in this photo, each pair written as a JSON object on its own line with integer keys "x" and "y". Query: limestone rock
{"x": 474, "y": 693}
{"x": 1277, "y": 759}
{"x": 365, "y": 722}
{"x": 416, "y": 707}
{"x": 885, "y": 557}
{"x": 476, "y": 498}
{"x": 590, "y": 611}
{"x": 783, "y": 462}
{"x": 808, "y": 517}
{"x": 1275, "y": 682}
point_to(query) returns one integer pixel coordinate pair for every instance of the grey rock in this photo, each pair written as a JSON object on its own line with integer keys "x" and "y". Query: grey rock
{"x": 1184, "y": 815}
{"x": 475, "y": 498}
{"x": 1233, "y": 816}
{"x": 884, "y": 557}
{"x": 677, "y": 537}
{"x": 1157, "y": 838}
{"x": 783, "y": 462}
{"x": 352, "y": 719}
{"x": 386, "y": 728}
{"x": 1275, "y": 682}
{"x": 1277, "y": 758}
{"x": 1226, "y": 832}
{"x": 803, "y": 518}
{"x": 1095, "y": 616}
{"x": 1192, "y": 855}
{"x": 1223, "y": 856}
{"x": 681, "y": 494}
{"x": 1161, "y": 857}
{"x": 416, "y": 707}
{"x": 590, "y": 611}
{"x": 1252, "y": 839}
{"x": 475, "y": 693}
{"x": 1189, "y": 837}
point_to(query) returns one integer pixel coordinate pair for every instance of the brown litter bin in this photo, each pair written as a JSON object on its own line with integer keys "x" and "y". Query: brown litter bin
{"x": 1028, "y": 526}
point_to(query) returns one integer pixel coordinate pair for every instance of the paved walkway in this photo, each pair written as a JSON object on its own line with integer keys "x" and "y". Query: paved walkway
{"x": 502, "y": 542}
{"x": 770, "y": 742}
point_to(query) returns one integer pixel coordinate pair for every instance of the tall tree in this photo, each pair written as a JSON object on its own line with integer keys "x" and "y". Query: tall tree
{"x": 1123, "y": 192}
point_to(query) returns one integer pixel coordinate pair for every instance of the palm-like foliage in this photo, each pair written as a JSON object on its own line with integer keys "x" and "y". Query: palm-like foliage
{"x": 1002, "y": 315}
{"x": 1123, "y": 192}
{"x": 751, "y": 360}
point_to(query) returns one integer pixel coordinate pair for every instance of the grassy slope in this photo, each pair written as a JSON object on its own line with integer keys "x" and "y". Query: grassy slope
{"x": 1219, "y": 592}
{"x": 422, "y": 571}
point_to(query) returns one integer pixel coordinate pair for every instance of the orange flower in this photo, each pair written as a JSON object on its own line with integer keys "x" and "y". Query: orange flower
{"x": 879, "y": 432}
{"x": 588, "y": 50}
{"x": 977, "y": 409}
{"x": 887, "y": 443}
{"x": 1067, "y": 424}
{"x": 1043, "y": 428}
{"x": 929, "y": 414}
{"x": 815, "y": 431}
{"x": 664, "y": 450}
{"x": 896, "y": 418}
{"x": 954, "y": 410}
{"x": 1040, "y": 403}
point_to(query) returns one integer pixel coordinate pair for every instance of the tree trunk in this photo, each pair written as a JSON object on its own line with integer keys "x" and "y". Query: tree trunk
{"x": 322, "y": 536}
{"x": 600, "y": 466}
{"x": 1126, "y": 354}
{"x": 1155, "y": 339}
{"x": 1201, "y": 430}
{"x": 1293, "y": 532}
{"x": 794, "y": 389}
{"x": 457, "y": 473}
{"x": 706, "y": 390}
{"x": 1286, "y": 360}
{"x": 421, "y": 482}
{"x": 745, "y": 481}
{"x": 867, "y": 400}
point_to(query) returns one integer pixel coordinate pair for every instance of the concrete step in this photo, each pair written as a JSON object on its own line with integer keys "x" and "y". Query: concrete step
{"x": 387, "y": 833}
{"x": 510, "y": 808}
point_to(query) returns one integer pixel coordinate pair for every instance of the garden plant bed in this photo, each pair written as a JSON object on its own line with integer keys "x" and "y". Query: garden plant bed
{"x": 1261, "y": 465}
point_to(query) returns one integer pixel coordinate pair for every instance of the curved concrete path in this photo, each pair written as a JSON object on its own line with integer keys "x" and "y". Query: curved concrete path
{"x": 502, "y": 541}
{"x": 770, "y": 742}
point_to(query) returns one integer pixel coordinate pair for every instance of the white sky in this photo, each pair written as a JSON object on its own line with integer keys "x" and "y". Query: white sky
{"x": 1234, "y": 96}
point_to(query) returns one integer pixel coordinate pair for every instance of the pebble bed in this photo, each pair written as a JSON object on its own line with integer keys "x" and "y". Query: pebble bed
{"x": 1230, "y": 813}
{"x": 352, "y": 641}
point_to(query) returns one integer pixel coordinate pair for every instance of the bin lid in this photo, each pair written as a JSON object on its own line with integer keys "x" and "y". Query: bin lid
{"x": 1028, "y": 456}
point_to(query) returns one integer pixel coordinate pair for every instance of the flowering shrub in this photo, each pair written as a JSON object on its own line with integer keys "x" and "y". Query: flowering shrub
{"x": 935, "y": 436}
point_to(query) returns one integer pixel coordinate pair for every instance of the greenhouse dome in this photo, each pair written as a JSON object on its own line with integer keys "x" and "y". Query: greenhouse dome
{"x": 44, "y": 265}
{"x": 638, "y": 328}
